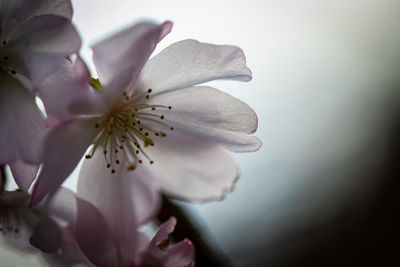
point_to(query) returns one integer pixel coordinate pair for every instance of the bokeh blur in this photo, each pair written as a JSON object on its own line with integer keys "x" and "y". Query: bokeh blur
{"x": 322, "y": 190}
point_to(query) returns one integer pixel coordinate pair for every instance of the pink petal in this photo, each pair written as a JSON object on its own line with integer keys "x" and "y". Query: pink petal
{"x": 55, "y": 7}
{"x": 190, "y": 168}
{"x": 85, "y": 223}
{"x": 63, "y": 149}
{"x": 210, "y": 114}
{"x": 181, "y": 254}
{"x": 46, "y": 235}
{"x": 43, "y": 42}
{"x": 63, "y": 205}
{"x": 120, "y": 58}
{"x": 22, "y": 123}
{"x": 190, "y": 62}
{"x": 60, "y": 90}
{"x": 93, "y": 235}
{"x": 17, "y": 11}
{"x": 163, "y": 232}
{"x": 24, "y": 174}
{"x": 124, "y": 199}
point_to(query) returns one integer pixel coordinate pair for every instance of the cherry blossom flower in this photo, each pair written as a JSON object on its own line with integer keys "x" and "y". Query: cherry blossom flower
{"x": 21, "y": 227}
{"x": 88, "y": 236}
{"x": 35, "y": 38}
{"x": 107, "y": 250}
{"x": 151, "y": 129}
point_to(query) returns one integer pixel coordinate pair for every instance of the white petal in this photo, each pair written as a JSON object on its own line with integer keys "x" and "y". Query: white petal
{"x": 120, "y": 58}
{"x": 191, "y": 169}
{"x": 210, "y": 114}
{"x": 22, "y": 123}
{"x": 124, "y": 198}
{"x": 63, "y": 148}
{"x": 190, "y": 62}
{"x": 24, "y": 174}
{"x": 60, "y": 90}
{"x": 42, "y": 42}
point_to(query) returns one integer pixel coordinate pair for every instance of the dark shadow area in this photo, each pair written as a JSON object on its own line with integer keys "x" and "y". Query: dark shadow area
{"x": 367, "y": 234}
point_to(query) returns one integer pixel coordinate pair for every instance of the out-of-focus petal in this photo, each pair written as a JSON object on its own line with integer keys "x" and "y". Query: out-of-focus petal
{"x": 181, "y": 254}
{"x": 123, "y": 198}
{"x": 55, "y": 7}
{"x": 191, "y": 169}
{"x": 24, "y": 174}
{"x": 22, "y": 123}
{"x": 190, "y": 62}
{"x": 63, "y": 148}
{"x": 120, "y": 58}
{"x": 178, "y": 255}
{"x": 84, "y": 223}
{"x": 43, "y": 41}
{"x": 70, "y": 83}
{"x": 163, "y": 232}
{"x": 212, "y": 115}
{"x": 46, "y": 236}
{"x": 14, "y": 12}
{"x": 93, "y": 235}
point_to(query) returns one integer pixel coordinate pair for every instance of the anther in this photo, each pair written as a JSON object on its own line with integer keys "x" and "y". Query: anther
{"x": 112, "y": 171}
{"x": 146, "y": 134}
{"x": 163, "y": 134}
{"x": 147, "y": 96}
{"x": 151, "y": 162}
{"x": 108, "y": 165}
{"x": 149, "y": 91}
{"x": 13, "y": 72}
{"x": 87, "y": 156}
{"x": 137, "y": 151}
{"x": 140, "y": 161}
{"x": 153, "y": 108}
{"x": 105, "y": 151}
{"x": 171, "y": 128}
{"x": 97, "y": 125}
{"x": 131, "y": 167}
{"x": 162, "y": 117}
{"x": 156, "y": 134}
{"x": 117, "y": 162}
{"x": 124, "y": 93}
{"x": 4, "y": 42}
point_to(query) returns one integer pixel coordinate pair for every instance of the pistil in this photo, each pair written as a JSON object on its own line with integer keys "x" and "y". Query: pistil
{"x": 125, "y": 131}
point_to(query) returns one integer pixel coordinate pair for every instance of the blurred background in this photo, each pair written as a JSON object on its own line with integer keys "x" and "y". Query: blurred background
{"x": 323, "y": 189}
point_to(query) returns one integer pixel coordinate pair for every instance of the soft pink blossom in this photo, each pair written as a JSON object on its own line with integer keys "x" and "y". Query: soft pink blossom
{"x": 26, "y": 229}
{"x": 35, "y": 38}
{"x": 153, "y": 129}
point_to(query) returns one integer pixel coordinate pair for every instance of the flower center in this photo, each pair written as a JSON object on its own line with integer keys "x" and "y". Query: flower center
{"x": 9, "y": 221}
{"x": 128, "y": 129}
{"x": 4, "y": 60}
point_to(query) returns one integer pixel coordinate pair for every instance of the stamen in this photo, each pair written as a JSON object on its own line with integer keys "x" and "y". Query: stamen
{"x": 126, "y": 126}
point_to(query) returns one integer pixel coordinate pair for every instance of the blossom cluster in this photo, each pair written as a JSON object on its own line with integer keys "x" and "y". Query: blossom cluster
{"x": 144, "y": 128}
